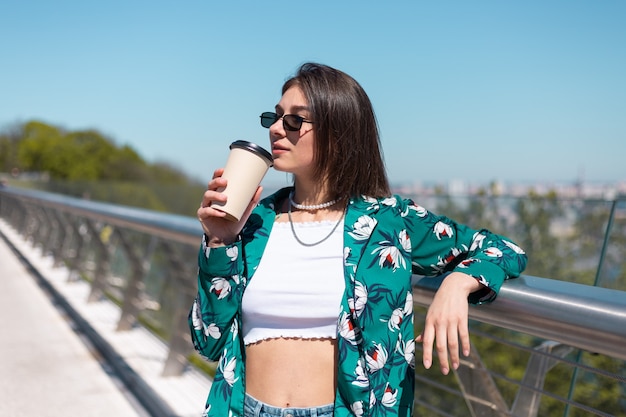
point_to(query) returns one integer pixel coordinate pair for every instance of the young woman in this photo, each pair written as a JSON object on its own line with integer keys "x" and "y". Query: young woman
{"x": 306, "y": 301}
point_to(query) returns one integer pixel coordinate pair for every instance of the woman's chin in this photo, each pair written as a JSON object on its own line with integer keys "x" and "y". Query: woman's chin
{"x": 280, "y": 167}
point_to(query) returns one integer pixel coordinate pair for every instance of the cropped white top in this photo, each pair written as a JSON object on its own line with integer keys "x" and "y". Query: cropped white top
{"x": 296, "y": 290}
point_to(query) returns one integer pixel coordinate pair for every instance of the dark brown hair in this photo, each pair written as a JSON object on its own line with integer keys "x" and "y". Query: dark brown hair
{"x": 348, "y": 155}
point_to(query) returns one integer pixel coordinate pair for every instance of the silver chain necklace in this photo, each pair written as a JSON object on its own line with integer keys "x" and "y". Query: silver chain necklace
{"x": 293, "y": 229}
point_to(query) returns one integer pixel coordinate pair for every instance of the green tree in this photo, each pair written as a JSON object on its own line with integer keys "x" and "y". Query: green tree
{"x": 37, "y": 145}
{"x": 534, "y": 232}
{"x": 597, "y": 219}
{"x": 9, "y": 148}
{"x": 125, "y": 164}
{"x": 85, "y": 163}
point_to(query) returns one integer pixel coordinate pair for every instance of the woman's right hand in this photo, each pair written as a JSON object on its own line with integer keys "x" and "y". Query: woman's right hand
{"x": 214, "y": 223}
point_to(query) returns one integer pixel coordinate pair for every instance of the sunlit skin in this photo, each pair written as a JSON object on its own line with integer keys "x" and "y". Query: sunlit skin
{"x": 292, "y": 372}
{"x": 302, "y": 373}
{"x": 293, "y": 151}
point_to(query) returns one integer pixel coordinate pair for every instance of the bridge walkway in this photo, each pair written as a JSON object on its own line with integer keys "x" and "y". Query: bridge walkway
{"x": 49, "y": 366}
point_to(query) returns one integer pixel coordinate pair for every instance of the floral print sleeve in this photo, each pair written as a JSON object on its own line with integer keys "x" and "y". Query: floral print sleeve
{"x": 440, "y": 245}
{"x": 220, "y": 276}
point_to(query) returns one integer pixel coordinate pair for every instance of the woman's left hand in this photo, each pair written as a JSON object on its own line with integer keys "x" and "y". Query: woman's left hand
{"x": 447, "y": 322}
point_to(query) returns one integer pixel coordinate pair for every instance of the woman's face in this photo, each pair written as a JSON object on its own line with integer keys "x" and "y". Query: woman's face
{"x": 293, "y": 151}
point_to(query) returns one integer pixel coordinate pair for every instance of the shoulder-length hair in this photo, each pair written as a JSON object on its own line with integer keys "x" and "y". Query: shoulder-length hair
{"x": 348, "y": 155}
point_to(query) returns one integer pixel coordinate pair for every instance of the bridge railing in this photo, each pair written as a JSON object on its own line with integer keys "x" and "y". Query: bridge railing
{"x": 544, "y": 347}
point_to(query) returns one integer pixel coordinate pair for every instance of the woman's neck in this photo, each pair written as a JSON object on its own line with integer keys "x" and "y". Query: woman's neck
{"x": 311, "y": 193}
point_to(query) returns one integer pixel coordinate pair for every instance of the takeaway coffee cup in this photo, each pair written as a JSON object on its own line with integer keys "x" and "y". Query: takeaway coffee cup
{"x": 246, "y": 166}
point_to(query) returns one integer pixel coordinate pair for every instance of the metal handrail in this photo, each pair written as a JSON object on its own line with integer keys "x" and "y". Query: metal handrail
{"x": 582, "y": 316}
{"x": 163, "y": 225}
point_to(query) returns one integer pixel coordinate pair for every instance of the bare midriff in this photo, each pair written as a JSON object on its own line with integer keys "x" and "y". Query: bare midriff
{"x": 291, "y": 372}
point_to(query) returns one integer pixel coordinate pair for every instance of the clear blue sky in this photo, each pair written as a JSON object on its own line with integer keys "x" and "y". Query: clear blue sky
{"x": 480, "y": 90}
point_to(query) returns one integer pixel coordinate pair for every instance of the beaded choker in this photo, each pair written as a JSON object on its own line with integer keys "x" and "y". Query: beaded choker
{"x": 312, "y": 206}
{"x": 309, "y": 244}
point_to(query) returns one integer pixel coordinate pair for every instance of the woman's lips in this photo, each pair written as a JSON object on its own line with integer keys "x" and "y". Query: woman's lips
{"x": 276, "y": 149}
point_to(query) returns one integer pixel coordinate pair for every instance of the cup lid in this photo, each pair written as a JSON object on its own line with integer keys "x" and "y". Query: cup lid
{"x": 253, "y": 147}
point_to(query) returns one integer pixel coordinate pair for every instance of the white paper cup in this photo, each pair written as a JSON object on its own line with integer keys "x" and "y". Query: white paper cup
{"x": 245, "y": 168}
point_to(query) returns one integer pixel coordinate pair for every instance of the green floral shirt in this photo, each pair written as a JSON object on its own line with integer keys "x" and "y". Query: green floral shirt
{"x": 385, "y": 242}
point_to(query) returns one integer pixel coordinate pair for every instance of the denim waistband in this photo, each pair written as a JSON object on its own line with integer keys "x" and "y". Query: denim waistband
{"x": 256, "y": 408}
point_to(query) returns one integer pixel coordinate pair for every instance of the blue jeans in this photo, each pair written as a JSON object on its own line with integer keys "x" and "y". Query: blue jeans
{"x": 255, "y": 408}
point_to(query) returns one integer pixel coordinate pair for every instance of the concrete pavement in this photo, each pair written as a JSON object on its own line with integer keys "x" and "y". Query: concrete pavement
{"x": 45, "y": 368}
{"x": 41, "y": 372}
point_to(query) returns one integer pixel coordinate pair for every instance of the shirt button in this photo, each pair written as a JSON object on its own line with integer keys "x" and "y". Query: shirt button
{"x": 289, "y": 415}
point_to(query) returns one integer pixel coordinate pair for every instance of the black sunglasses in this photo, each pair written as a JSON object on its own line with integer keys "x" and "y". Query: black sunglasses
{"x": 291, "y": 122}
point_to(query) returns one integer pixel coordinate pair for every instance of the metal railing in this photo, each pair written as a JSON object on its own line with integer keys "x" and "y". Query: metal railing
{"x": 544, "y": 347}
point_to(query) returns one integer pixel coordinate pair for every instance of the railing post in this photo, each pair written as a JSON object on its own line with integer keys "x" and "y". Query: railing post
{"x": 528, "y": 397}
{"x": 131, "y": 301}
{"x": 75, "y": 260}
{"x": 180, "y": 343}
{"x": 481, "y": 394}
{"x": 45, "y": 233}
{"x": 20, "y": 211}
{"x": 38, "y": 229}
{"x": 103, "y": 264}
{"x": 69, "y": 232}
{"x": 57, "y": 237}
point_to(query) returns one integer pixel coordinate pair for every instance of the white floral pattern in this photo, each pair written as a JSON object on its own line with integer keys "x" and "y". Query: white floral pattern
{"x": 346, "y": 329}
{"x": 227, "y": 368}
{"x": 220, "y": 286}
{"x": 442, "y": 229}
{"x": 232, "y": 253}
{"x": 405, "y": 240}
{"x": 376, "y": 357}
{"x": 362, "y": 229}
{"x": 515, "y": 248}
{"x": 397, "y": 317}
{"x": 213, "y": 331}
{"x": 358, "y": 302}
{"x": 361, "y": 379}
{"x": 493, "y": 252}
{"x": 389, "y": 397}
{"x": 407, "y": 350}
{"x": 477, "y": 241}
{"x": 389, "y": 255}
{"x": 357, "y": 408}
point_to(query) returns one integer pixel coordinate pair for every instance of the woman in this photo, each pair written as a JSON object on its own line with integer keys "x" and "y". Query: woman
{"x": 306, "y": 301}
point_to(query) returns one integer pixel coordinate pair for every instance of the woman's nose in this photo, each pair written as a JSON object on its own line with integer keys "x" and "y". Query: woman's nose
{"x": 277, "y": 129}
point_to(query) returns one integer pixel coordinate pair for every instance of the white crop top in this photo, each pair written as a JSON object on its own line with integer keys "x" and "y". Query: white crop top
{"x": 296, "y": 290}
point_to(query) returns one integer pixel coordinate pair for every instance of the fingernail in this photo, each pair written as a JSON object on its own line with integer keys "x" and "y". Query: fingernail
{"x": 445, "y": 371}
{"x": 427, "y": 364}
